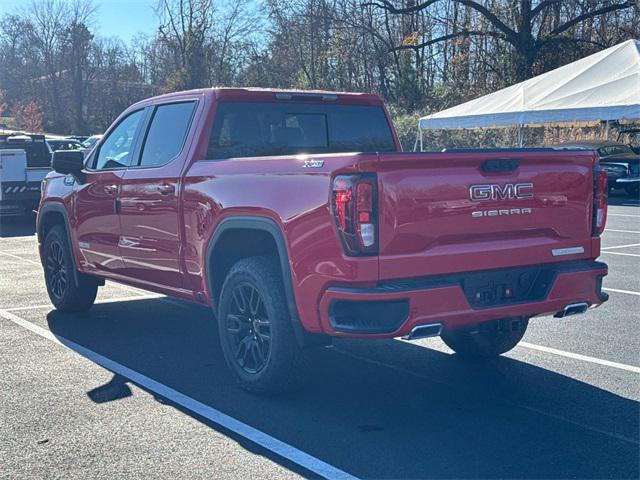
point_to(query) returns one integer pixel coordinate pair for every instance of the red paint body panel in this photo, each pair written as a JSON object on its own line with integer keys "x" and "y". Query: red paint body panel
{"x": 425, "y": 224}
{"x": 96, "y": 222}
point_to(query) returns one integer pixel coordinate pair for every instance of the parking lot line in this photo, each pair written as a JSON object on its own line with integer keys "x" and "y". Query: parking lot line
{"x": 20, "y": 258}
{"x": 529, "y": 408}
{"x": 115, "y": 284}
{"x": 622, "y": 246}
{"x": 617, "y": 290}
{"x": 622, "y": 215}
{"x": 258, "y": 437}
{"x": 621, "y": 231}
{"x": 105, "y": 300}
{"x": 577, "y": 356}
{"x": 623, "y": 254}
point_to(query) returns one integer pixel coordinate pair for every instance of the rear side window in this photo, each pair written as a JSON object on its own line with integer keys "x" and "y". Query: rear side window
{"x": 166, "y": 134}
{"x": 267, "y": 129}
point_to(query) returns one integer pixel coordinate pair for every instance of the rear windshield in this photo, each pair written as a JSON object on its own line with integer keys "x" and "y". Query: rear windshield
{"x": 268, "y": 129}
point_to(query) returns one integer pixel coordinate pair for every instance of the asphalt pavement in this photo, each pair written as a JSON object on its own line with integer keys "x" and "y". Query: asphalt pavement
{"x": 137, "y": 388}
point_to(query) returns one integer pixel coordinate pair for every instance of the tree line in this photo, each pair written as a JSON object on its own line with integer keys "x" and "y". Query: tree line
{"x": 420, "y": 56}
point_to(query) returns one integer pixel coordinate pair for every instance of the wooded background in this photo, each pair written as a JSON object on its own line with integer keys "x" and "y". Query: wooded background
{"x": 57, "y": 75}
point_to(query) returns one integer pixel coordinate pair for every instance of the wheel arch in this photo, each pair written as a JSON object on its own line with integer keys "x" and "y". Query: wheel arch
{"x": 50, "y": 215}
{"x": 267, "y": 229}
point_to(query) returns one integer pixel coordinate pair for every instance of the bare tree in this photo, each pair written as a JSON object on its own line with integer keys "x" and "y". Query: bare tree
{"x": 184, "y": 26}
{"x": 522, "y": 24}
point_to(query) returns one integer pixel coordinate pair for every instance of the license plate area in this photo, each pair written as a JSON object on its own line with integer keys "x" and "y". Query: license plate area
{"x": 507, "y": 287}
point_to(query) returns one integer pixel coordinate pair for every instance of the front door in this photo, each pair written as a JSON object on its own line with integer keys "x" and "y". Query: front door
{"x": 97, "y": 197}
{"x": 150, "y": 240}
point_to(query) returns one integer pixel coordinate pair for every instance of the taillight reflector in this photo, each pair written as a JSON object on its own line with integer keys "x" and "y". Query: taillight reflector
{"x": 600, "y": 203}
{"x": 355, "y": 212}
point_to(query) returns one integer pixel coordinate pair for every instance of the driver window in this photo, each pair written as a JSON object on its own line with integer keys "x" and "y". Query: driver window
{"x": 116, "y": 149}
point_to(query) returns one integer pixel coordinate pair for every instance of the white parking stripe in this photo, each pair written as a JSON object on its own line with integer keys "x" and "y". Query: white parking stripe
{"x": 20, "y": 258}
{"x": 622, "y": 246}
{"x": 258, "y": 437}
{"x": 622, "y": 215}
{"x": 577, "y": 356}
{"x": 544, "y": 413}
{"x": 115, "y": 284}
{"x": 621, "y": 231}
{"x": 623, "y": 254}
{"x": 106, "y": 300}
{"x": 617, "y": 290}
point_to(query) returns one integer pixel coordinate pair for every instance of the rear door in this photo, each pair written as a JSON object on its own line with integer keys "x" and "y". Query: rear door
{"x": 456, "y": 212}
{"x": 150, "y": 241}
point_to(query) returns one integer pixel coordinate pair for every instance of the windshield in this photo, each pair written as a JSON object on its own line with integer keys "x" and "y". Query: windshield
{"x": 89, "y": 142}
{"x": 65, "y": 145}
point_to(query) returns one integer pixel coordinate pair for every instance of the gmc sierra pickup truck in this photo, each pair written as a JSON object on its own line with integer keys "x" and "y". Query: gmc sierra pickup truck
{"x": 297, "y": 218}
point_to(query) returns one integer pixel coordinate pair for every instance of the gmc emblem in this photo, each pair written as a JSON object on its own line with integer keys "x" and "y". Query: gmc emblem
{"x": 510, "y": 191}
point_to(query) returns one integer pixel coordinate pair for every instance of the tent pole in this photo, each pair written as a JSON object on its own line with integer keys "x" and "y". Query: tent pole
{"x": 421, "y": 140}
{"x": 520, "y": 135}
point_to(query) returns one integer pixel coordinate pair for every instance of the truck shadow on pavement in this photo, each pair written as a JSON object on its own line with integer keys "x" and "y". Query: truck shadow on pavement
{"x": 384, "y": 409}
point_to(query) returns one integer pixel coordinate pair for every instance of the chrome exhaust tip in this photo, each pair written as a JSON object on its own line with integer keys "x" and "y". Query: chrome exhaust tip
{"x": 424, "y": 331}
{"x": 573, "y": 309}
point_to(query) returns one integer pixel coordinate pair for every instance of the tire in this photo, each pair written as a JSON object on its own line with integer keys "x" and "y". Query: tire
{"x": 59, "y": 267}
{"x": 256, "y": 335}
{"x": 488, "y": 340}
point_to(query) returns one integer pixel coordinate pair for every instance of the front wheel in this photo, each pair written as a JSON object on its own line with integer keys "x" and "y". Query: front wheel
{"x": 487, "y": 340}
{"x": 256, "y": 334}
{"x": 65, "y": 294}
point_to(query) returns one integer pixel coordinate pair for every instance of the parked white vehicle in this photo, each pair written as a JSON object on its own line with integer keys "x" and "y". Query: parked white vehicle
{"x": 20, "y": 182}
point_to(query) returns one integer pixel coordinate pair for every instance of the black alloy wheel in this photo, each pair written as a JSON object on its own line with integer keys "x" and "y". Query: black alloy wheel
{"x": 68, "y": 289}
{"x": 249, "y": 328}
{"x": 255, "y": 328}
{"x": 56, "y": 270}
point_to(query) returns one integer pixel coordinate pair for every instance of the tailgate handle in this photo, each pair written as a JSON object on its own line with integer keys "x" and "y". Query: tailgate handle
{"x": 500, "y": 165}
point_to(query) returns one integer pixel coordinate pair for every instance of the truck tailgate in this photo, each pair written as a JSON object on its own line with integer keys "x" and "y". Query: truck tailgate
{"x": 457, "y": 212}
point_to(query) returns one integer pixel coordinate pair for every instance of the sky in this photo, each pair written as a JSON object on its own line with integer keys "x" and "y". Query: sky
{"x": 114, "y": 18}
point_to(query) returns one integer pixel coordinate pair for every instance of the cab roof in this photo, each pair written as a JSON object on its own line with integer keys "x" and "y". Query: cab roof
{"x": 269, "y": 94}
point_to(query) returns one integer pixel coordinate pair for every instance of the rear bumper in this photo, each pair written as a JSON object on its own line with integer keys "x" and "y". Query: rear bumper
{"x": 393, "y": 309}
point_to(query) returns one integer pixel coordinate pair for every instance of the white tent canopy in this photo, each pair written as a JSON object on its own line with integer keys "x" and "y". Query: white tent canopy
{"x": 602, "y": 86}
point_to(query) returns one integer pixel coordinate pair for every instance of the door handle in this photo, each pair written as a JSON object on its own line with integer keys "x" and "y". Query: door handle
{"x": 110, "y": 189}
{"x": 166, "y": 189}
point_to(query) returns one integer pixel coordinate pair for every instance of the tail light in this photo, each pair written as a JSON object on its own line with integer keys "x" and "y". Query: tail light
{"x": 600, "y": 193}
{"x": 354, "y": 204}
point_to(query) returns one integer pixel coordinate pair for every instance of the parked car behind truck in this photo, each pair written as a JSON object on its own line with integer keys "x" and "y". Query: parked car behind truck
{"x": 297, "y": 218}
{"x": 620, "y": 161}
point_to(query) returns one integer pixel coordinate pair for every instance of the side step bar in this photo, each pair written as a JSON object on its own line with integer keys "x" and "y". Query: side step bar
{"x": 424, "y": 331}
{"x": 573, "y": 309}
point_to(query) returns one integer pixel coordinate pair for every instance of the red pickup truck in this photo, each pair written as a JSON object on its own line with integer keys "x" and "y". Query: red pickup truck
{"x": 297, "y": 218}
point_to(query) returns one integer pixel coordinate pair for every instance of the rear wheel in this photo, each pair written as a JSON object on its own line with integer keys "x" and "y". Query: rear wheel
{"x": 255, "y": 328}
{"x": 486, "y": 340}
{"x": 59, "y": 275}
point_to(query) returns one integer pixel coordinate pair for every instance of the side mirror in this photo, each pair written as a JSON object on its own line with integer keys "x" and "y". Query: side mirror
{"x": 68, "y": 162}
